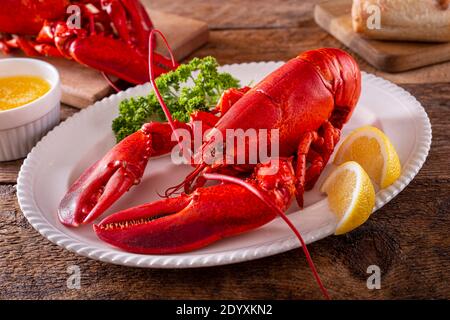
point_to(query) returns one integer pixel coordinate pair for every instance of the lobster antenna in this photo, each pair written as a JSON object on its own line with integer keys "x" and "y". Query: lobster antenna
{"x": 166, "y": 110}
{"x": 170, "y": 191}
{"x": 153, "y": 82}
{"x": 269, "y": 203}
{"x": 190, "y": 178}
{"x": 110, "y": 82}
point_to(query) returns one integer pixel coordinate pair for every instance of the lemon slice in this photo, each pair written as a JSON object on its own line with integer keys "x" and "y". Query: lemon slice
{"x": 373, "y": 150}
{"x": 351, "y": 196}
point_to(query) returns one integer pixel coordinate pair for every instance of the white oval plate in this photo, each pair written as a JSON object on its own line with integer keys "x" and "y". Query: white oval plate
{"x": 60, "y": 157}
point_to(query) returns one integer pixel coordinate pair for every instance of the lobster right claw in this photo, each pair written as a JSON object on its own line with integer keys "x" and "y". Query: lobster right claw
{"x": 193, "y": 221}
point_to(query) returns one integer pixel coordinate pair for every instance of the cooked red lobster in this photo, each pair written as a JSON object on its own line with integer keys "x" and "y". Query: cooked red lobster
{"x": 112, "y": 35}
{"x": 307, "y": 100}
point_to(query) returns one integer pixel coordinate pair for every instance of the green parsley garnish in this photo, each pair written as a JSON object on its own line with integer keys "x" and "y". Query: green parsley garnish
{"x": 204, "y": 86}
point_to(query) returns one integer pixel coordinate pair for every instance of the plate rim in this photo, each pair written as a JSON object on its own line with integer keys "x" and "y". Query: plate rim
{"x": 32, "y": 213}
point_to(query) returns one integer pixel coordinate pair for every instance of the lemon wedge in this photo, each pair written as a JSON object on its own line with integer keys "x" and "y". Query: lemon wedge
{"x": 351, "y": 196}
{"x": 373, "y": 150}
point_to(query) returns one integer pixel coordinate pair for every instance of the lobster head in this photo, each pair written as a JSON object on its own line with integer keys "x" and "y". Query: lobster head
{"x": 341, "y": 75}
{"x": 330, "y": 80}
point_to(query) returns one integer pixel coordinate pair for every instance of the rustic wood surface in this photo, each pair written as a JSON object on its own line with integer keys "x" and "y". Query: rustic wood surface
{"x": 408, "y": 238}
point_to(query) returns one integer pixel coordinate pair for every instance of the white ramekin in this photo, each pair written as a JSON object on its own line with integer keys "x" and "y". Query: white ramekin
{"x": 22, "y": 127}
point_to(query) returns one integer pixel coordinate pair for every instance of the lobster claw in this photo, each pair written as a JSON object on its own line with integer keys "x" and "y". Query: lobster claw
{"x": 122, "y": 60}
{"x": 189, "y": 222}
{"x": 109, "y": 178}
{"x": 106, "y": 180}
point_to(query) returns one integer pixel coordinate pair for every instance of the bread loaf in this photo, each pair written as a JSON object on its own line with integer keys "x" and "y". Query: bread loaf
{"x": 406, "y": 20}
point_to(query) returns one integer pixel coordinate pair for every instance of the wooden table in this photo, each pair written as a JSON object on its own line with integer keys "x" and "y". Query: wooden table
{"x": 408, "y": 238}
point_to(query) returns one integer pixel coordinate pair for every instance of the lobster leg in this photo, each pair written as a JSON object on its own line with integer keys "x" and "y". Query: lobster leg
{"x": 189, "y": 222}
{"x": 300, "y": 171}
{"x": 4, "y": 45}
{"x": 108, "y": 179}
{"x": 307, "y": 176}
{"x": 331, "y": 137}
{"x": 28, "y": 46}
{"x": 131, "y": 21}
{"x": 23, "y": 43}
{"x": 317, "y": 163}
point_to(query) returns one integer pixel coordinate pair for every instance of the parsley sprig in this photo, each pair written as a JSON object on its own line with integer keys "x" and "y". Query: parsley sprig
{"x": 206, "y": 87}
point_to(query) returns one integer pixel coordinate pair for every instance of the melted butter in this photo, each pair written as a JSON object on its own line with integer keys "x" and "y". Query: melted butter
{"x": 19, "y": 90}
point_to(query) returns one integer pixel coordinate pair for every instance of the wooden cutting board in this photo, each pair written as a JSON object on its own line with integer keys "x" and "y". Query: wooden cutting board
{"x": 335, "y": 17}
{"x": 82, "y": 86}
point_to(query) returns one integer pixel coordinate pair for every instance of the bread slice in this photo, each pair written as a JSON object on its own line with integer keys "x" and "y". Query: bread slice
{"x": 405, "y": 20}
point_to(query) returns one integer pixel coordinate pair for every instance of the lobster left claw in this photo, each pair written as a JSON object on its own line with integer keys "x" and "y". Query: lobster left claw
{"x": 109, "y": 178}
{"x": 190, "y": 222}
{"x": 105, "y": 181}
